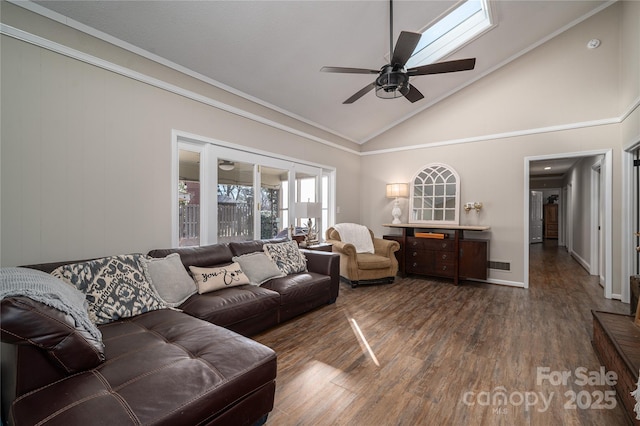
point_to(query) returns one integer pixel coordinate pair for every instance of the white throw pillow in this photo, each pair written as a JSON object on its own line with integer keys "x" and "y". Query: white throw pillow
{"x": 211, "y": 279}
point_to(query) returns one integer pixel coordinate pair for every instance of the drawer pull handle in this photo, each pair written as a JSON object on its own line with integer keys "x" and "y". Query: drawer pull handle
{"x": 444, "y": 268}
{"x": 444, "y": 256}
{"x": 415, "y": 243}
{"x": 444, "y": 245}
{"x": 415, "y": 254}
{"x": 415, "y": 264}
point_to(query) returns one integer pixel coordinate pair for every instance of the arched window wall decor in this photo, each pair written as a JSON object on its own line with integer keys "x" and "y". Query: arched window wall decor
{"x": 435, "y": 196}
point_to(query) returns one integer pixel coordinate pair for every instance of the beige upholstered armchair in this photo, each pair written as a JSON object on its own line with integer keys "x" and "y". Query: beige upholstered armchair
{"x": 357, "y": 268}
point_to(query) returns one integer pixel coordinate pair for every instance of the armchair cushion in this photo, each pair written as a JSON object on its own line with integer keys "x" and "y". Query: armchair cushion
{"x": 372, "y": 261}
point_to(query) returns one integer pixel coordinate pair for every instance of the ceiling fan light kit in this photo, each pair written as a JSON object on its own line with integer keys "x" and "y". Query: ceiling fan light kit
{"x": 393, "y": 79}
{"x": 390, "y": 84}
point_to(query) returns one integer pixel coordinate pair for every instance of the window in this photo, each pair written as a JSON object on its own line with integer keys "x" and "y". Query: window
{"x": 457, "y": 28}
{"x": 224, "y": 193}
{"x": 434, "y": 195}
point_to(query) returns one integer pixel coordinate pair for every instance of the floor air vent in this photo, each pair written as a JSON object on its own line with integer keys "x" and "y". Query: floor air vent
{"x": 503, "y": 266}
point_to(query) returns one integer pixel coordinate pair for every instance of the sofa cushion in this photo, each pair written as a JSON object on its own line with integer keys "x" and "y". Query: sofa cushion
{"x": 115, "y": 287}
{"x": 287, "y": 257}
{"x": 169, "y": 278}
{"x": 238, "y": 248}
{"x": 299, "y": 287}
{"x": 210, "y": 279}
{"x": 56, "y": 334}
{"x": 300, "y": 293}
{"x": 373, "y": 261}
{"x": 258, "y": 267}
{"x": 229, "y": 306}
{"x": 163, "y": 367}
{"x": 201, "y": 256}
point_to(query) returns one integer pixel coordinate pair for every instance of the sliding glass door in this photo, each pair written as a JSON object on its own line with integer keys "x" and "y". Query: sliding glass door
{"x": 235, "y": 201}
{"x": 225, "y": 194}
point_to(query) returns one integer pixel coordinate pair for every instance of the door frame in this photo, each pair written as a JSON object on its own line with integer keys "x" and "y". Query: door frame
{"x": 596, "y": 213}
{"x": 629, "y": 203}
{"x": 607, "y": 189}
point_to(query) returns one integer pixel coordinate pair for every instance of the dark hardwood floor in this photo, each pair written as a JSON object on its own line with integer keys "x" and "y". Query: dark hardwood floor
{"x": 426, "y": 352}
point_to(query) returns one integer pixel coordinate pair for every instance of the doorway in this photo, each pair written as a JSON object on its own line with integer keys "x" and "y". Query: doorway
{"x": 572, "y": 217}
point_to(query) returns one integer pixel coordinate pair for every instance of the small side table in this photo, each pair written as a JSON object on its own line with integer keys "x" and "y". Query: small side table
{"x": 320, "y": 247}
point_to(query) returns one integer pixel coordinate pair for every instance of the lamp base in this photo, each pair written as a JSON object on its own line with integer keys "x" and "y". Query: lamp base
{"x": 396, "y": 213}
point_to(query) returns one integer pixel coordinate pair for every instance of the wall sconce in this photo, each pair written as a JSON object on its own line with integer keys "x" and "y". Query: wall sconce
{"x": 396, "y": 190}
{"x": 474, "y": 205}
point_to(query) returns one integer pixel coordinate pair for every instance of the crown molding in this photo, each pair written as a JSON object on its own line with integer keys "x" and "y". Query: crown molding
{"x": 57, "y": 17}
{"x": 126, "y": 72}
{"x": 44, "y": 43}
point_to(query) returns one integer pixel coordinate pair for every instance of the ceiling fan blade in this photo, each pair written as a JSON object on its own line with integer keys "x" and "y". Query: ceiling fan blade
{"x": 360, "y": 93}
{"x": 345, "y": 70}
{"x": 405, "y": 46}
{"x": 411, "y": 93}
{"x": 443, "y": 67}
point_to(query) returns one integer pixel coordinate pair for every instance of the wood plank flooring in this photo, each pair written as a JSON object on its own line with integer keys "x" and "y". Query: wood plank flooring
{"x": 438, "y": 354}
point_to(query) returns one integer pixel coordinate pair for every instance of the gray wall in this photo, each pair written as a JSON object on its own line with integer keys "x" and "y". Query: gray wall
{"x": 86, "y": 152}
{"x": 550, "y": 101}
{"x": 85, "y": 155}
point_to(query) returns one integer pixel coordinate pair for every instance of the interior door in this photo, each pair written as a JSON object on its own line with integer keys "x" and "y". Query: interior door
{"x": 535, "y": 217}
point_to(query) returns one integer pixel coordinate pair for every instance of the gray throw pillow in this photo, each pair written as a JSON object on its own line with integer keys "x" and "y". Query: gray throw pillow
{"x": 258, "y": 267}
{"x": 169, "y": 278}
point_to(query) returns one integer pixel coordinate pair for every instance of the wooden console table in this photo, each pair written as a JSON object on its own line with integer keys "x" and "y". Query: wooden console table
{"x": 454, "y": 257}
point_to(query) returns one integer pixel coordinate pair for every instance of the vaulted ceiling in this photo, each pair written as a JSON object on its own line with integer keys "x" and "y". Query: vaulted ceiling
{"x": 272, "y": 51}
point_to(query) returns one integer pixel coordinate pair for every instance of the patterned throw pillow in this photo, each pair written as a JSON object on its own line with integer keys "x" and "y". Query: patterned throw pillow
{"x": 210, "y": 279}
{"x": 115, "y": 287}
{"x": 287, "y": 256}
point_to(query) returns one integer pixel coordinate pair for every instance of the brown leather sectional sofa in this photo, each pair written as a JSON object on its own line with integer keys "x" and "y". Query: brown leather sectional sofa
{"x": 193, "y": 367}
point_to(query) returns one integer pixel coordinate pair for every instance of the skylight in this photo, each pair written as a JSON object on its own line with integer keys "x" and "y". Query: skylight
{"x": 451, "y": 32}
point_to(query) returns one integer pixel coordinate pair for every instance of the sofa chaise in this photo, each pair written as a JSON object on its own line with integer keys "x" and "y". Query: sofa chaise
{"x": 189, "y": 365}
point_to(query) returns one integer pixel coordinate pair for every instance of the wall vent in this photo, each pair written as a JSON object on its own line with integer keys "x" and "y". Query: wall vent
{"x": 503, "y": 266}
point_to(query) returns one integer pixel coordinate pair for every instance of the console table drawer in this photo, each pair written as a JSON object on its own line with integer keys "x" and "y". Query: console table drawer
{"x": 444, "y": 256}
{"x": 431, "y": 262}
{"x": 429, "y": 244}
{"x": 437, "y": 268}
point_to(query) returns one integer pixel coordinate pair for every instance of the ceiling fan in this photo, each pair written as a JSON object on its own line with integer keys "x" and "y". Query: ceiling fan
{"x": 393, "y": 78}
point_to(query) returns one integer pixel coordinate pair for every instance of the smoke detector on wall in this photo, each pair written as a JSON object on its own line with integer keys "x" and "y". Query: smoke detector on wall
{"x": 593, "y": 43}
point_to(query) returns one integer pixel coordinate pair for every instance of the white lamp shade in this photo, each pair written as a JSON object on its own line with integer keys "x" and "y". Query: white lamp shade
{"x": 309, "y": 209}
{"x": 395, "y": 190}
